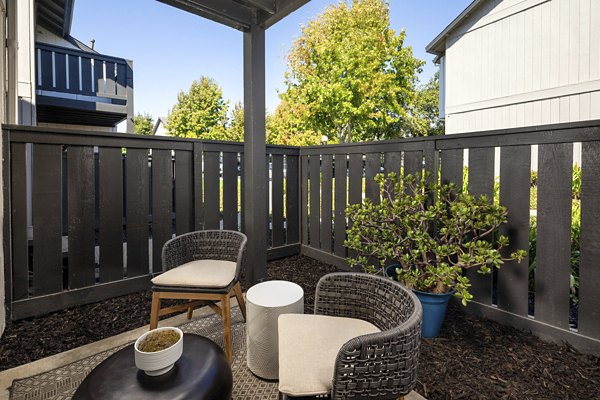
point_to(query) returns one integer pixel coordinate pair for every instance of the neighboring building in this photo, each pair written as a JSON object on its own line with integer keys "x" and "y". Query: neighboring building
{"x": 515, "y": 63}
{"x": 160, "y": 127}
{"x": 54, "y": 80}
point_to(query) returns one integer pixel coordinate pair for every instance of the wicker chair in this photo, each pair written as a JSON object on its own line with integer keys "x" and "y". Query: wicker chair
{"x": 376, "y": 325}
{"x": 202, "y": 267}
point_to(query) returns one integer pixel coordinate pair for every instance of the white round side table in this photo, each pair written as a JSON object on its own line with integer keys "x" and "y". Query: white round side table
{"x": 264, "y": 303}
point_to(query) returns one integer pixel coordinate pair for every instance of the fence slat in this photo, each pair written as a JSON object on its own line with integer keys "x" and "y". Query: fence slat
{"x": 162, "y": 204}
{"x": 81, "y": 218}
{"x": 553, "y": 251}
{"x": 212, "y": 212}
{"x": 111, "y": 85}
{"x": 20, "y": 248}
{"x": 315, "y": 203}
{"x": 184, "y": 194}
{"x": 60, "y": 72}
{"x": 589, "y": 271}
{"x": 277, "y": 200}
{"x": 99, "y": 76}
{"x": 111, "y": 214}
{"x": 230, "y": 191}
{"x": 372, "y": 167}
{"x": 121, "y": 79}
{"x": 326, "y": 203}
{"x": 341, "y": 175}
{"x": 304, "y": 200}
{"x": 391, "y": 162}
{"x": 86, "y": 76}
{"x": 452, "y": 167}
{"x": 413, "y": 162}
{"x": 46, "y": 65}
{"x": 291, "y": 199}
{"x": 355, "y": 189}
{"x": 197, "y": 181}
{"x": 515, "y": 176}
{"x": 481, "y": 182}
{"x": 47, "y": 219}
{"x": 73, "y": 74}
{"x": 137, "y": 210}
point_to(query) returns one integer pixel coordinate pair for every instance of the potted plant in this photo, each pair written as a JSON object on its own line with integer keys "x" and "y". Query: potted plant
{"x": 157, "y": 351}
{"x": 427, "y": 244}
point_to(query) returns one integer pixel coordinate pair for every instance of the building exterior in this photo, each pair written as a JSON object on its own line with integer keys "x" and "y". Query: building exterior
{"x": 516, "y": 63}
{"x": 54, "y": 80}
{"x": 160, "y": 127}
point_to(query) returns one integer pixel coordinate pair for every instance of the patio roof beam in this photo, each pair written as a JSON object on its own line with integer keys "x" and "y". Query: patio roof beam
{"x": 265, "y": 5}
{"x": 283, "y": 8}
{"x": 225, "y": 12}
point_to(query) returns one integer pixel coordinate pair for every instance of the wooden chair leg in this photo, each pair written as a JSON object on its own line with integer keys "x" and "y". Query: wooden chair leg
{"x": 227, "y": 326}
{"x": 154, "y": 310}
{"x": 240, "y": 299}
{"x": 190, "y": 312}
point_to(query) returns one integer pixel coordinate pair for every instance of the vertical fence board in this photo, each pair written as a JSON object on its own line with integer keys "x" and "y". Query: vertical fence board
{"x": 391, "y": 162}
{"x": 452, "y": 166}
{"x": 341, "y": 175}
{"x": 212, "y": 212}
{"x": 60, "y": 71}
{"x": 46, "y": 65}
{"x": 20, "y": 248}
{"x": 372, "y": 167}
{"x": 242, "y": 189}
{"x": 515, "y": 176}
{"x": 277, "y": 200}
{"x": 184, "y": 192}
{"x": 292, "y": 199}
{"x": 315, "y": 203}
{"x": 326, "y": 203}
{"x": 121, "y": 79}
{"x": 413, "y": 162}
{"x": 99, "y": 76}
{"x": 73, "y": 74}
{"x": 137, "y": 210}
{"x": 230, "y": 191}
{"x": 197, "y": 187}
{"x": 481, "y": 182}
{"x": 589, "y": 264}
{"x": 86, "y": 76}
{"x": 553, "y": 251}
{"x": 304, "y": 200}
{"x": 81, "y": 216}
{"x": 47, "y": 219}
{"x": 355, "y": 190}
{"x": 110, "y": 78}
{"x": 162, "y": 204}
{"x": 111, "y": 214}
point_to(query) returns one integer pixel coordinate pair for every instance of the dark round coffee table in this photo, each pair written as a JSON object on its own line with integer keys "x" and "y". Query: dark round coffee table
{"x": 202, "y": 372}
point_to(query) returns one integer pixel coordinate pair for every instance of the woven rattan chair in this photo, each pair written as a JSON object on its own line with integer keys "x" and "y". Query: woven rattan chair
{"x": 202, "y": 267}
{"x": 362, "y": 342}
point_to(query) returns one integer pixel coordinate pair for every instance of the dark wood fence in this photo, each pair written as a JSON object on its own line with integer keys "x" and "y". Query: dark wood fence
{"x": 87, "y": 213}
{"x": 337, "y": 175}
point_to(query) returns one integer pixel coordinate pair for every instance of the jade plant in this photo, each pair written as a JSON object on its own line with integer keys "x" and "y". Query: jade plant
{"x": 432, "y": 231}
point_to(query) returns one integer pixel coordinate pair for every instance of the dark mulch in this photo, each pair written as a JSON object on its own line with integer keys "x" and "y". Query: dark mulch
{"x": 473, "y": 358}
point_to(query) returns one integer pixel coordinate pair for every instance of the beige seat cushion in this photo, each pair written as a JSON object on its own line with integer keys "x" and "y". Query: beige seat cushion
{"x": 201, "y": 273}
{"x": 308, "y": 347}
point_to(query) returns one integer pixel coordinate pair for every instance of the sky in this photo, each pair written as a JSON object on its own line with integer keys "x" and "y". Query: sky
{"x": 171, "y": 48}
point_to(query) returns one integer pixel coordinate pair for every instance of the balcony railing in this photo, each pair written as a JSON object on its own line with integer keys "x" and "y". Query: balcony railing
{"x": 121, "y": 208}
{"x": 75, "y": 80}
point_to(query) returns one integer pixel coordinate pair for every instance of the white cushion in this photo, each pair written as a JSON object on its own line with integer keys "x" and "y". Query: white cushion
{"x": 308, "y": 347}
{"x": 200, "y": 273}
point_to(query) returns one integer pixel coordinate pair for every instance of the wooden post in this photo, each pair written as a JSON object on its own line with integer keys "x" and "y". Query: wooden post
{"x": 255, "y": 174}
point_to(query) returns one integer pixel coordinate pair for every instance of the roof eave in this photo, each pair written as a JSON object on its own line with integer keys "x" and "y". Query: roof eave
{"x": 437, "y": 46}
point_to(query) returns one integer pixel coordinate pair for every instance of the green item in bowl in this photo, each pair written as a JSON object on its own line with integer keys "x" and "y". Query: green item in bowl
{"x": 157, "y": 341}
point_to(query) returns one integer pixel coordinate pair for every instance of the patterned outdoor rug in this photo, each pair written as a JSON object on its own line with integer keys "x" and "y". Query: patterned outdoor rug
{"x": 61, "y": 383}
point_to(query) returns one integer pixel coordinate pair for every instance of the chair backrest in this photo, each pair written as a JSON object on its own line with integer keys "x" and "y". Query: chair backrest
{"x": 205, "y": 245}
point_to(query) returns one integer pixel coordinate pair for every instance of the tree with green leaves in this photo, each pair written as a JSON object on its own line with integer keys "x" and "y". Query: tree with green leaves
{"x": 143, "y": 124}
{"x": 352, "y": 76}
{"x": 201, "y": 112}
{"x": 427, "y": 106}
{"x": 236, "y": 124}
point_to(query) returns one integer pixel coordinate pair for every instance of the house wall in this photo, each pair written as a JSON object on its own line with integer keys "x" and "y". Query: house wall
{"x": 25, "y": 16}
{"x": 519, "y": 63}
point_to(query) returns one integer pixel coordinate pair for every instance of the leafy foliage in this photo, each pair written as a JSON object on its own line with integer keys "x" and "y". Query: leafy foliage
{"x": 433, "y": 243}
{"x": 143, "y": 124}
{"x": 352, "y": 79}
{"x": 200, "y": 113}
{"x": 236, "y": 124}
{"x": 427, "y": 107}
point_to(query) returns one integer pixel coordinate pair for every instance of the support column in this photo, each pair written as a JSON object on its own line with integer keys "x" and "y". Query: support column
{"x": 3, "y": 111}
{"x": 255, "y": 174}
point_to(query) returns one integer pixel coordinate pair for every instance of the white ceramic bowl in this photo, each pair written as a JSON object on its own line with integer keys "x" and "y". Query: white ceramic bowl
{"x": 158, "y": 362}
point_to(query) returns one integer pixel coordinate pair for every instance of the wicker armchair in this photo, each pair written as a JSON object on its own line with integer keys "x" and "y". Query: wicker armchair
{"x": 380, "y": 363}
{"x": 202, "y": 267}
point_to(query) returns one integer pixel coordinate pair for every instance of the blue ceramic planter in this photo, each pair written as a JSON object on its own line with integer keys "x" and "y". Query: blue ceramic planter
{"x": 434, "y": 307}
